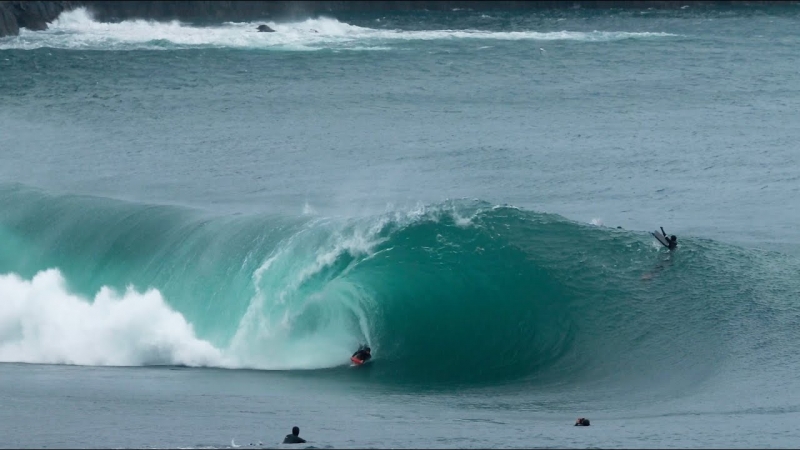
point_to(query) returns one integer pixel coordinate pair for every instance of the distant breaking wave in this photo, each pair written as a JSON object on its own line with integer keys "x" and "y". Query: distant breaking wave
{"x": 77, "y": 30}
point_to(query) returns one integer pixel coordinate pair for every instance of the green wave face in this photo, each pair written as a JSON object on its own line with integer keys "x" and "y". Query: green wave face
{"x": 459, "y": 292}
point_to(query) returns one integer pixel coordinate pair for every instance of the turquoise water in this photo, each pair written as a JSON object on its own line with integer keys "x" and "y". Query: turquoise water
{"x": 201, "y": 223}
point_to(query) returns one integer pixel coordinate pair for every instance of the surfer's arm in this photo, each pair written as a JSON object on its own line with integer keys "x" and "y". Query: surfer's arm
{"x": 662, "y": 231}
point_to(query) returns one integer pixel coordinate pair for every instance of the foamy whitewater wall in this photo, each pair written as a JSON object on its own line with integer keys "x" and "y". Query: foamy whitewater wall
{"x": 41, "y": 321}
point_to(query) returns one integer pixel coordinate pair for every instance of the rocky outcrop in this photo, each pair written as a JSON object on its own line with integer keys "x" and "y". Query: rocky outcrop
{"x": 8, "y": 21}
{"x": 33, "y": 15}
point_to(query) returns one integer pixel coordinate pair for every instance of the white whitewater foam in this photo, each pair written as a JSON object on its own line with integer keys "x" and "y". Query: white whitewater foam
{"x": 41, "y": 322}
{"x": 78, "y": 30}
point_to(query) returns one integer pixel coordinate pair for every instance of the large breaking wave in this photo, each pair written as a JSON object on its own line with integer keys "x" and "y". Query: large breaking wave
{"x": 458, "y": 291}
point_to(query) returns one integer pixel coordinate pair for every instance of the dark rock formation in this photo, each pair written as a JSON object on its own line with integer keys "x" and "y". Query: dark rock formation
{"x": 8, "y": 20}
{"x": 265, "y": 29}
{"x": 33, "y": 15}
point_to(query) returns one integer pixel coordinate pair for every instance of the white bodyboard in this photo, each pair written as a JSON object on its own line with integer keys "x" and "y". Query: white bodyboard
{"x": 661, "y": 238}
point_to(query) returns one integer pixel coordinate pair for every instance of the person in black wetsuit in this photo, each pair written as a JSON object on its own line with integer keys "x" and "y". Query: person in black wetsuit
{"x": 294, "y": 438}
{"x": 363, "y": 353}
{"x": 582, "y": 422}
{"x": 672, "y": 240}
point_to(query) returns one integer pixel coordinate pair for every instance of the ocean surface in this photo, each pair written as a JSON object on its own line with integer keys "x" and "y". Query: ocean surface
{"x": 199, "y": 223}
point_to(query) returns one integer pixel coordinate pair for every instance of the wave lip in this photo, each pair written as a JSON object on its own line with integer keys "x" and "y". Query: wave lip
{"x": 77, "y": 30}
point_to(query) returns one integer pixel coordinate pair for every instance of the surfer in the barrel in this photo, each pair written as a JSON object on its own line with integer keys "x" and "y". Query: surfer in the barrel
{"x": 672, "y": 240}
{"x": 363, "y": 354}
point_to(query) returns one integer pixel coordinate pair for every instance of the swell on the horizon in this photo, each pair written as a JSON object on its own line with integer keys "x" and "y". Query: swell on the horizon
{"x": 462, "y": 291}
{"x": 77, "y": 30}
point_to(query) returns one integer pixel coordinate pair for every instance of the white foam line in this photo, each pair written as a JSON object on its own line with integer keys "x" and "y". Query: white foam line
{"x": 78, "y": 30}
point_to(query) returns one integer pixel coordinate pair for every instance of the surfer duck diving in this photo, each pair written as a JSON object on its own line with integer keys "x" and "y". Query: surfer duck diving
{"x": 671, "y": 242}
{"x": 362, "y": 355}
